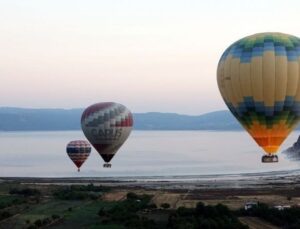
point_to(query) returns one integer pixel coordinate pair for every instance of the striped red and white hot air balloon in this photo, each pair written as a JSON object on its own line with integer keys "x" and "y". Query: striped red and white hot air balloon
{"x": 107, "y": 126}
{"x": 78, "y": 151}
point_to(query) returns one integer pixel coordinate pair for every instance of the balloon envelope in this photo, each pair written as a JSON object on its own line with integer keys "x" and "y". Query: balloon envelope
{"x": 78, "y": 151}
{"x": 106, "y": 126}
{"x": 259, "y": 80}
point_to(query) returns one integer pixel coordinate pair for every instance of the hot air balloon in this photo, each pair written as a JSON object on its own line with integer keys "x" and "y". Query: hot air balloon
{"x": 106, "y": 126}
{"x": 258, "y": 78}
{"x": 78, "y": 151}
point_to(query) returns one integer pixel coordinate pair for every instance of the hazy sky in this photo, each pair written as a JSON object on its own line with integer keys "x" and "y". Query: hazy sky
{"x": 149, "y": 55}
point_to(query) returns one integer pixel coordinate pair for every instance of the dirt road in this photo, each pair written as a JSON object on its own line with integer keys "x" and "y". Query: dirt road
{"x": 256, "y": 223}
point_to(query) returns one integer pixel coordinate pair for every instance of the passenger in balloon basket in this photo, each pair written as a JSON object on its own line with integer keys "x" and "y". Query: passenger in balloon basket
{"x": 106, "y": 165}
{"x": 269, "y": 158}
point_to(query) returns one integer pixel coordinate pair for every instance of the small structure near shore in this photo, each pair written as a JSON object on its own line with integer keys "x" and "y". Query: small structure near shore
{"x": 250, "y": 205}
{"x": 282, "y": 207}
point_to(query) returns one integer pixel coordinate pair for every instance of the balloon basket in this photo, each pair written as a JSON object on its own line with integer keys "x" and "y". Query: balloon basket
{"x": 106, "y": 165}
{"x": 269, "y": 159}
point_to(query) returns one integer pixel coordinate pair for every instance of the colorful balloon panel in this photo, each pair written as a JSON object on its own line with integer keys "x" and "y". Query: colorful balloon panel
{"x": 107, "y": 126}
{"x": 78, "y": 151}
{"x": 259, "y": 80}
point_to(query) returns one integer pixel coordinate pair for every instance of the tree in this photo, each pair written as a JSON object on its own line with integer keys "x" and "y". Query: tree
{"x": 165, "y": 205}
{"x": 132, "y": 196}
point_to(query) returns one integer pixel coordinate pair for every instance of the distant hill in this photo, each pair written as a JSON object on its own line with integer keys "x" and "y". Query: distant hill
{"x": 14, "y": 119}
{"x": 218, "y": 120}
{"x": 20, "y": 119}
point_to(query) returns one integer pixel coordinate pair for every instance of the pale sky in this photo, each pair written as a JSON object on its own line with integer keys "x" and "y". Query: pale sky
{"x": 148, "y": 55}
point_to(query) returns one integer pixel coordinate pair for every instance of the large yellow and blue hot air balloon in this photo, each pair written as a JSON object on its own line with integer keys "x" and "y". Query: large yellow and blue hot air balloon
{"x": 259, "y": 80}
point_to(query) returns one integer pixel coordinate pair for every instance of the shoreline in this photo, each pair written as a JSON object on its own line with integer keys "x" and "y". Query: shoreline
{"x": 234, "y": 191}
{"x": 264, "y": 180}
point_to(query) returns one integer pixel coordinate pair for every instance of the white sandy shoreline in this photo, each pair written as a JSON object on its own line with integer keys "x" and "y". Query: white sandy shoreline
{"x": 277, "y": 179}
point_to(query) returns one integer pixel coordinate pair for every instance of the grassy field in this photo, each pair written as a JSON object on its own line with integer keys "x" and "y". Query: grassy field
{"x": 74, "y": 214}
{"x": 85, "y": 216}
{"x": 26, "y": 208}
{"x": 28, "y": 211}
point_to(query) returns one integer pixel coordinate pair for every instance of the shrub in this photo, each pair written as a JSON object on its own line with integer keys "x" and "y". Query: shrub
{"x": 200, "y": 208}
{"x": 132, "y": 196}
{"x": 32, "y": 227}
{"x": 151, "y": 206}
{"x": 25, "y": 192}
{"x": 74, "y": 193}
{"x": 101, "y": 212}
{"x": 5, "y": 214}
{"x": 54, "y": 216}
{"x": 46, "y": 221}
{"x": 38, "y": 223}
{"x": 212, "y": 217}
{"x": 165, "y": 205}
{"x": 287, "y": 218}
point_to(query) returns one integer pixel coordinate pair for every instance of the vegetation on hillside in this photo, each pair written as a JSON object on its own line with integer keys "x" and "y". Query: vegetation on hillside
{"x": 288, "y": 218}
{"x": 206, "y": 217}
{"x": 84, "y": 206}
{"x": 79, "y": 192}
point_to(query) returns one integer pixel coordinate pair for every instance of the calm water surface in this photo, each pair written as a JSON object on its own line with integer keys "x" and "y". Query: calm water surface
{"x": 146, "y": 153}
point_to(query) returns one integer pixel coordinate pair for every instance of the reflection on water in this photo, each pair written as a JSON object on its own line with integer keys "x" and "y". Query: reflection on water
{"x": 146, "y": 153}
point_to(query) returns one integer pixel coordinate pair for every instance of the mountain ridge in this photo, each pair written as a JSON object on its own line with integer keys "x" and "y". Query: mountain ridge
{"x": 45, "y": 119}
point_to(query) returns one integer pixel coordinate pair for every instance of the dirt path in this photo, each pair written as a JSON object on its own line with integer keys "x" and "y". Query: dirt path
{"x": 256, "y": 223}
{"x": 115, "y": 196}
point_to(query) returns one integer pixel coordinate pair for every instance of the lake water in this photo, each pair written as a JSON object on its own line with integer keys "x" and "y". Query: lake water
{"x": 145, "y": 153}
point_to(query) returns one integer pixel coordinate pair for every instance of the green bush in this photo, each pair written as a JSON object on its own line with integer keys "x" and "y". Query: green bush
{"x": 46, "y": 221}
{"x": 38, "y": 223}
{"x": 76, "y": 193}
{"x": 54, "y": 216}
{"x": 25, "y": 192}
{"x": 152, "y": 206}
{"x": 204, "y": 217}
{"x": 165, "y": 205}
{"x": 286, "y": 218}
{"x": 132, "y": 196}
{"x": 101, "y": 212}
{"x": 32, "y": 227}
{"x": 5, "y": 214}
{"x": 126, "y": 212}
